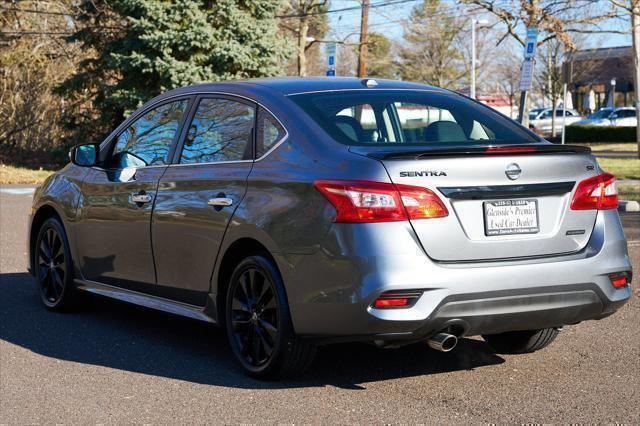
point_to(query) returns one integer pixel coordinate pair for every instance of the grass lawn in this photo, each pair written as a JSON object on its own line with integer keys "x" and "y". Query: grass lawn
{"x": 629, "y": 146}
{"x": 622, "y": 168}
{"x": 629, "y": 192}
{"x": 16, "y": 175}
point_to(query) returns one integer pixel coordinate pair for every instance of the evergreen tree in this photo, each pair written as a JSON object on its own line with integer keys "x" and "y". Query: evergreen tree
{"x": 431, "y": 50}
{"x": 379, "y": 57}
{"x": 145, "y": 47}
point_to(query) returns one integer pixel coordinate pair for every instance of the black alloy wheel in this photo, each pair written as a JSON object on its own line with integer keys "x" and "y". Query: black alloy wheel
{"x": 254, "y": 317}
{"x": 53, "y": 266}
{"x": 258, "y": 322}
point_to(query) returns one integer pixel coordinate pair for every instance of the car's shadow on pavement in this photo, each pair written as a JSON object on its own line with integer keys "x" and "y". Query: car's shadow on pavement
{"x": 126, "y": 337}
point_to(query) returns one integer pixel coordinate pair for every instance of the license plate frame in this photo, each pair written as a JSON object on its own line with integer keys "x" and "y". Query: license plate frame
{"x": 509, "y": 228}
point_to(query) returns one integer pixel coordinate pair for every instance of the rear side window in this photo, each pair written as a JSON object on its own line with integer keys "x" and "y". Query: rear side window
{"x": 147, "y": 141}
{"x": 221, "y": 130}
{"x": 626, "y": 113}
{"x": 399, "y": 117}
{"x": 270, "y": 132}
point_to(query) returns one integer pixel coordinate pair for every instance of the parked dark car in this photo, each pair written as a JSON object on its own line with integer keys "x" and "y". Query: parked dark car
{"x": 299, "y": 212}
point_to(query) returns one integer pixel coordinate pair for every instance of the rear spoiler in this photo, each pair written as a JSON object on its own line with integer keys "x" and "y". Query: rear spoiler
{"x": 464, "y": 151}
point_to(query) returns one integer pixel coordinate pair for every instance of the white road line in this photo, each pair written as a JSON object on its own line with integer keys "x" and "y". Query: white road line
{"x": 17, "y": 191}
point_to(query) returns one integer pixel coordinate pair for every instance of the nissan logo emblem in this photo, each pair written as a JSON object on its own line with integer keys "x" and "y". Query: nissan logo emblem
{"x": 513, "y": 171}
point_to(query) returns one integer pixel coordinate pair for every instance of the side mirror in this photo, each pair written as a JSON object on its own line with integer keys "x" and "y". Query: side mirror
{"x": 85, "y": 155}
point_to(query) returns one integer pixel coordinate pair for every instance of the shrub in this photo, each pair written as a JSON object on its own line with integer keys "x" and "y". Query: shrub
{"x": 584, "y": 134}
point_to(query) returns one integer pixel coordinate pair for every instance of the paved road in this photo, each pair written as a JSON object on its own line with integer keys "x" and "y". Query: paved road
{"x": 114, "y": 363}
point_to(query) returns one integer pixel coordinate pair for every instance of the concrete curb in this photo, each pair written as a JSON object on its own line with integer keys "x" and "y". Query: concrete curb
{"x": 628, "y": 206}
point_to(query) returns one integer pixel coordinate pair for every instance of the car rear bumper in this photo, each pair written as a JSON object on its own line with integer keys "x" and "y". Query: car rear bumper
{"x": 331, "y": 292}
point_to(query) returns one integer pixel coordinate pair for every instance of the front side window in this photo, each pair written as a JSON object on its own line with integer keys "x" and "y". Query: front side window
{"x": 221, "y": 130}
{"x": 401, "y": 117}
{"x": 148, "y": 140}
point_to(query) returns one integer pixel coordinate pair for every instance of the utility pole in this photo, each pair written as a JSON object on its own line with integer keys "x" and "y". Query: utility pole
{"x": 635, "y": 30}
{"x": 364, "y": 39}
{"x": 472, "y": 86}
{"x": 474, "y": 53}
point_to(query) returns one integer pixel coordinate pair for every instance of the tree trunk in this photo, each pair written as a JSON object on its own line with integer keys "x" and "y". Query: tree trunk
{"x": 364, "y": 39}
{"x": 635, "y": 29}
{"x": 302, "y": 45}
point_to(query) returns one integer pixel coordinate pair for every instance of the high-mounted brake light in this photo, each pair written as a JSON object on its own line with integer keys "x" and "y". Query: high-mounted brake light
{"x": 364, "y": 201}
{"x": 510, "y": 150}
{"x": 596, "y": 193}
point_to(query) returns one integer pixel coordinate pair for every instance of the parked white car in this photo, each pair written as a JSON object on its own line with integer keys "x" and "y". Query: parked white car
{"x": 623, "y": 117}
{"x": 540, "y": 119}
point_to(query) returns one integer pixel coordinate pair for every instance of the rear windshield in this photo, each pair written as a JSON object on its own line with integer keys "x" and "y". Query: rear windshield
{"x": 385, "y": 117}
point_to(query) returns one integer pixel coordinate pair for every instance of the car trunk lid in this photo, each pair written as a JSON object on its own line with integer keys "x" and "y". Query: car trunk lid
{"x": 504, "y": 202}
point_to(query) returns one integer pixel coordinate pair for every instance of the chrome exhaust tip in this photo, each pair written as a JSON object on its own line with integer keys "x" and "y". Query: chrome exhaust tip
{"x": 442, "y": 342}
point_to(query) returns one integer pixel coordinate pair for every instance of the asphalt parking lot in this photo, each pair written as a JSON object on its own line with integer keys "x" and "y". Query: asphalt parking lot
{"x": 114, "y": 363}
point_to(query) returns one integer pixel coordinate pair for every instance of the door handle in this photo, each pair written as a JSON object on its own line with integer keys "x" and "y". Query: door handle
{"x": 220, "y": 202}
{"x": 141, "y": 198}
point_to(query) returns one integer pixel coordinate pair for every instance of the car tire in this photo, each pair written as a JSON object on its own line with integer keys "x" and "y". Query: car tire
{"x": 258, "y": 322}
{"x": 54, "y": 267}
{"x": 521, "y": 342}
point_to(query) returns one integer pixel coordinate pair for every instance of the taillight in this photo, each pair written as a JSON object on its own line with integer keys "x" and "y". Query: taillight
{"x": 364, "y": 201}
{"x": 596, "y": 193}
{"x": 421, "y": 203}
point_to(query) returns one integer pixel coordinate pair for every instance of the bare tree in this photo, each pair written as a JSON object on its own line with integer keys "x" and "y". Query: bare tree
{"x": 506, "y": 76}
{"x": 632, "y": 7}
{"x": 34, "y": 59}
{"x": 431, "y": 51}
{"x": 555, "y": 19}
{"x": 305, "y": 20}
{"x": 550, "y": 78}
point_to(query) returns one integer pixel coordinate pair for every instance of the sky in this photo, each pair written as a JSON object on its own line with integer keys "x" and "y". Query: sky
{"x": 388, "y": 20}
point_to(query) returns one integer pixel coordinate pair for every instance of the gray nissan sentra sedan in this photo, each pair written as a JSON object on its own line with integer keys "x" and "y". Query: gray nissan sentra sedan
{"x": 299, "y": 212}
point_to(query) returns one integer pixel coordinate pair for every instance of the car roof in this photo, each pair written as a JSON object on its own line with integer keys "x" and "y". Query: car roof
{"x": 292, "y": 85}
{"x": 295, "y": 85}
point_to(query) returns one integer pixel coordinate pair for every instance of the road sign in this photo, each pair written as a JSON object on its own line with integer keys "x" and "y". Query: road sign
{"x": 530, "y": 43}
{"x": 526, "y": 75}
{"x": 331, "y": 59}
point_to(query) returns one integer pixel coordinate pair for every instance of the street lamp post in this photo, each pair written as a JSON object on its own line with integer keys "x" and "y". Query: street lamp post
{"x": 613, "y": 92}
{"x": 472, "y": 85}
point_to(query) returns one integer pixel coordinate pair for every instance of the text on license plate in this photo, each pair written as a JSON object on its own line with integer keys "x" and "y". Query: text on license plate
{"x": 503, "y": 217}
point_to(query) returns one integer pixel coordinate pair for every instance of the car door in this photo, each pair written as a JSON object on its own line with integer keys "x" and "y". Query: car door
{"x": 626, "y": 118}
{"x": 544, "y": 122}
{"x": 114, "y": 238}
{"x": 199, "y": 193}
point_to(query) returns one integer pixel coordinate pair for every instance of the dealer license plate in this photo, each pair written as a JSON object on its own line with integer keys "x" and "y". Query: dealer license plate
{"x": 505, "y": 217}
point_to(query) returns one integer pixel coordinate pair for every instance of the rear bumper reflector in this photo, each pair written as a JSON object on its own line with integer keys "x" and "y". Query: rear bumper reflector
{"x": 397, "y": 299}
{"x": 620, "y": 279}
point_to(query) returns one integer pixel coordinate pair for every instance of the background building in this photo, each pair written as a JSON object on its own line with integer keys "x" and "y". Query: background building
{"x": 594, "y": 69}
